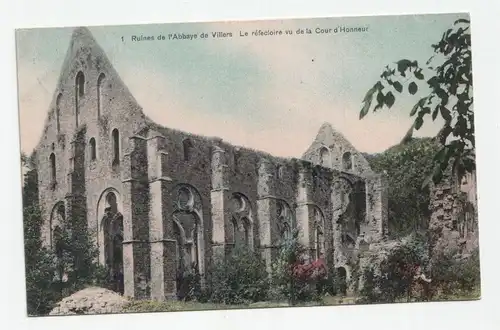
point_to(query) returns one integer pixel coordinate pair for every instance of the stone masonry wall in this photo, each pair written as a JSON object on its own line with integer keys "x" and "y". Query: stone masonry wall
{"x": 171, "y": 185}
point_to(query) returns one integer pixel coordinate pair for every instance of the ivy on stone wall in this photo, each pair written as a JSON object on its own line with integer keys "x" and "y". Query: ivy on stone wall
{"x": 51, "y": 276}
{"x": 407, "y": 167}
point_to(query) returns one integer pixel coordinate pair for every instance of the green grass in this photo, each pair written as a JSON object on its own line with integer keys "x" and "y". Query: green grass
{"x": 148, "y": 306}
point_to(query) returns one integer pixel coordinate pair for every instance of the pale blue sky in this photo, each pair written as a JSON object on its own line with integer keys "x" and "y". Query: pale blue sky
{"x": 270, "y": 93}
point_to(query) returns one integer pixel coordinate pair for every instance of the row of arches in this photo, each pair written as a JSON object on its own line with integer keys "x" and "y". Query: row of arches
{"x": 79, "y": 93}
{"x": 326, "y": 159}
{"x": 187, "y": 226}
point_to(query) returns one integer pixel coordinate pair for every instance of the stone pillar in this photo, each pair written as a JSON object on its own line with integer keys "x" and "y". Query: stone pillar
{"x": 365, "y": 257}
{"x": 303, "y": 211}
{"x": 136, "y": 254}
{"x": 76, "y": 203}
{"x": 376, "y": 208}
{"x": 162, "y": 240}
{"x": 339, "y": 207}
{"x": 220, "y": 203}
{"x": 265, "y": 208}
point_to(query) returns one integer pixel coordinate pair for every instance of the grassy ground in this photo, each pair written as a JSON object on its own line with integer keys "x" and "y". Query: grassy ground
{"x": 175, "y": 306}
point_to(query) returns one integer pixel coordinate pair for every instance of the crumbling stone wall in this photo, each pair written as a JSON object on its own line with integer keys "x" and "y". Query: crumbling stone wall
{"x": 453, "y": 223}
{"x": 185, "y": 195}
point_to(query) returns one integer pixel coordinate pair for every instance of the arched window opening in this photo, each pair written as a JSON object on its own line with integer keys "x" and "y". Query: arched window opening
{"x": 234, "y": 224}
{"x": 58, "y": 243}
{"x": 57, "y": 223}
{"x": 80, "y": 84}
{"x": 319, "y": 221}
{"x": 187, "y": 145}
{"x": 284, "y": 219}
{"x": 111, "y": 204}
{"x": 325, "y": 157}
{"x": 236, "y": 156}
{"x": 79, "y": 91}
{"x": 285, "y": 233}
{"x": 93, "y": 150}
{"x": 58, "y": 113}
{"x": 188, "y": 230}
{"x": 342, "y": 280}
{"x": 100, "y": 82}
{"x": 53, "y": 170}
{"x": 241, "y": 220}
{"x": 347, "y": 161}
{"x": 246, "y": 229}
{"x": 112, "y": 226}
{"x": 279, "y": 171}
{"x": 319, "y": 238}
{"x": 116, "y": 146}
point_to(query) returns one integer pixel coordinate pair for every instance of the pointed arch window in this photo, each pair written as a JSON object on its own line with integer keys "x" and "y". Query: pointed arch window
{"x": 319, "y": 222}
{"x": 53, "y": 170}
{"x": 115, "y": 136}
{"x": 79, "y": 91}
{"x": 92, "y": 149}
{"x": 279, "y": 171}
{"x": 347, "y": 161}
{"x": 324, "y": 155}
{"x": 100, "y": 83}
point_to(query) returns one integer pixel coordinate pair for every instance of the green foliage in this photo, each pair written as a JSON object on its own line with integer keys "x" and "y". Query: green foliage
{"x": 189, "y": 285}
{"x": 407, "y": 167}
{"x": 240, "y": 278}
{"x": 448, "y": 94}
{"x": 39, "y": 262}
{"x": 286, "y": 284}
{"x": 77, "y": 260}
{"x": 452, "y": 274}
{"x": 395, "y": 277}
{"x": 75, "y": 256}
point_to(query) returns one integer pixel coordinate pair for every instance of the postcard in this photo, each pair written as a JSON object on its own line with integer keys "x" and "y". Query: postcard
{"x": 248, "y": 164}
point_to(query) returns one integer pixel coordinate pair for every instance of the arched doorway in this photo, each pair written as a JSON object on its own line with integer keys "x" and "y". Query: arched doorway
{"x": 112, "y": 228}
{"x": 342, "y": 280}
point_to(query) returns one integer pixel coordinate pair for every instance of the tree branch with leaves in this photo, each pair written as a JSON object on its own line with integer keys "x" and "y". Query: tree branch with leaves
{"x": 447, "y": 79}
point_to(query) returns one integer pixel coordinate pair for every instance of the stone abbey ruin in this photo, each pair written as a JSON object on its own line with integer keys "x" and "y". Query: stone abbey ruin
{"x": 157, "y": 200}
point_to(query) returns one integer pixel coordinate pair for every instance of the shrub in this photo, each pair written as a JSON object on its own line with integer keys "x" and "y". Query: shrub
{"x": 294, "y": 280}
{"x": 238, "y": 279}
{"x": 189, "y": 285}
{"x": 396, "y": 274}
{"x": 52, "y": 276}
{"x": 452, "y": 274}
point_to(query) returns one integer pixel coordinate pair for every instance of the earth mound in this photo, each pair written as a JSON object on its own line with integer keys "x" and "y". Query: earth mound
{"x": 91, "y": 300}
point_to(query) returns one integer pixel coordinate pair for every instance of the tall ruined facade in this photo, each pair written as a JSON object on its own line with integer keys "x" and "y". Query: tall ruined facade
{"x": 157, "y": 201}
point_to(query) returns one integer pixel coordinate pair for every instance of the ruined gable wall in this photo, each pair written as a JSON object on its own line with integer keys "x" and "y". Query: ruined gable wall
{"x": 338, "y": 148}
{"x": 118, "y": 110}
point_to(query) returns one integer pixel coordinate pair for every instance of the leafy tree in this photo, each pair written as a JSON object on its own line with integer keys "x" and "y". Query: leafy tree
{"x": 51, "y": 276}
{"x": 447, "y": 80}
{"x": 40, "y": 264}
{"x": 407, "y": 166}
